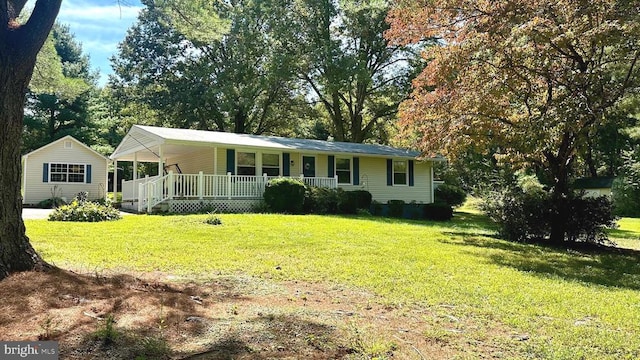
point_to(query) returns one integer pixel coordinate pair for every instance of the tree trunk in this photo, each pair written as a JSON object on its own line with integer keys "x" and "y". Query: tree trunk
{"x": 16, "y": 253}
{"x": 560, "y": 169}
{"x": 19, "y": 46}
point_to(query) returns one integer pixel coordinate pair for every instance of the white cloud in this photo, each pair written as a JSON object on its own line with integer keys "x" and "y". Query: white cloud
{"x": 90, "y": 11}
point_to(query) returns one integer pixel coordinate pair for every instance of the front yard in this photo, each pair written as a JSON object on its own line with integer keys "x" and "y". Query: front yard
{"x": 353, "y": 287}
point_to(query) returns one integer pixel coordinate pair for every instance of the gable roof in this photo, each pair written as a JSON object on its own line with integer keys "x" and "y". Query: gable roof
{"x": 145, "y": 139}
{"x": 62, "y": 139}
{"x": 594, "y": 183}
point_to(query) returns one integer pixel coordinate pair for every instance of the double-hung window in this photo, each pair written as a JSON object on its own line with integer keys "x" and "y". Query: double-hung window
{"x": 343, "y": 170}
{"x": 400, "y": 170}
{"x": 271, "y": 164}
{"x": 67, "y": 173}
{"x": 246, "y": 163}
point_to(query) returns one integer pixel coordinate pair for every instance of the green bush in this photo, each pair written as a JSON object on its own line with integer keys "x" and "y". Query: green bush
{"x": 396, "y": 208}
{"x": 85, "y": 211}
{"x": 437, "y": 211}
{"x": 335, "y": 201}
{"x": 450, "y": 194}
{"x": 362, "y": 198}
{"x": 321, "y": 201}
{"x": 525, "y": 216}
{"x": 626, "y": 197}
{"x": 51, "y": 203}
{"x": 285, "y": 195}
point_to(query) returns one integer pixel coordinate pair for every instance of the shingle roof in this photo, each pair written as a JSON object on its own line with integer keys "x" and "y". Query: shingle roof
{"x": 593, "y": 183}
{"x": 274, "y": 142}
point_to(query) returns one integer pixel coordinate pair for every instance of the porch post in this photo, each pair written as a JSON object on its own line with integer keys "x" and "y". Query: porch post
{"x": 336, "y": 181}
{"x": 135, "y": 166}
{"x": 229, "y": 185}
{"x": 215, "y": 160}
{"x": 200, "y": 185}
{"x": 160, "y": 163}
{"x": 115, "y": 180}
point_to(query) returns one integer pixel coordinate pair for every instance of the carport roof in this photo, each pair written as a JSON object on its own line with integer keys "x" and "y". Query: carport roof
{"x": 145, "y": 140}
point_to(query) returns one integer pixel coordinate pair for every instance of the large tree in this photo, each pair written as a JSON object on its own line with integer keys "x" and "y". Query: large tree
{"x": 234, "y": 82}
{"x": 346, "y": 63}
{"x": 59, "y": 93}
{"x": 19, "y": 47}
{"x": 532, "y": 78}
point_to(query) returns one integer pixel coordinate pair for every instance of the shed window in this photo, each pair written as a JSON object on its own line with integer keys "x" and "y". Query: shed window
{"x": 68, "y": 173}
{"x": 246, "y": 163}
{"x": 271, "y": 164}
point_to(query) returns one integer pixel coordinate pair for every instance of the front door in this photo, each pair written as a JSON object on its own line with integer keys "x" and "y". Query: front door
{"x": 309, "y": 166}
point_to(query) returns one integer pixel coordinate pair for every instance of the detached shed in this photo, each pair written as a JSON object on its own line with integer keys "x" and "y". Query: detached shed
{"x": 595, "y": 186}
{"x": 63, "y": 169}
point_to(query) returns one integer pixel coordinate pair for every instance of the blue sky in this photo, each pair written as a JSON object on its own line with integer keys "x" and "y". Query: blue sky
{"x": 100, "y": 25}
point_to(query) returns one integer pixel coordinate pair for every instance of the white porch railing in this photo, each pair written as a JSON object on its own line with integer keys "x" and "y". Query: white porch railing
{"x": 130, "y": 187}
{"x": 152, "y": 191}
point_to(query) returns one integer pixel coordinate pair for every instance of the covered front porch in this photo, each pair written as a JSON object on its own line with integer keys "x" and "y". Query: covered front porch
{"x": 176, "y": 192}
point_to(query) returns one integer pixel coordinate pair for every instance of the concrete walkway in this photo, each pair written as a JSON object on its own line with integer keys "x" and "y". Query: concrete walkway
{"x": 36, "y": 213}
{"x": 29, "y": 213}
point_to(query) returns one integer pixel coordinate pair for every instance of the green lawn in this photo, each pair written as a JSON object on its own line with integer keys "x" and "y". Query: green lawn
{"x": 566, "y": 304}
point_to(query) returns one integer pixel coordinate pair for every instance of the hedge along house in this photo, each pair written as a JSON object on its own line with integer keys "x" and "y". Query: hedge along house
{"x": 228, "y": 172}
{"x": 63, "y": 168}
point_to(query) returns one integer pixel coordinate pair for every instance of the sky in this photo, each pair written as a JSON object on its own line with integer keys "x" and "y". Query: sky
{"x": 100, "y": 25}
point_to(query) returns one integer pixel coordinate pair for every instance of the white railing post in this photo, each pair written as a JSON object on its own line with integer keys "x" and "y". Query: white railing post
{"x": 335, "y": 184}
{"x": 150, "y": 196}
{"x": 140, "y": 196}
{"x": 200, "y": 185}
{"x": 229, "y": 185}
{"x": 170, "y": 185}
{"x": 265, "y": 180}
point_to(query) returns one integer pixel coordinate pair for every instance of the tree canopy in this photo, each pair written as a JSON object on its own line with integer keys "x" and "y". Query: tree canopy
{"x": 532, "y": 79}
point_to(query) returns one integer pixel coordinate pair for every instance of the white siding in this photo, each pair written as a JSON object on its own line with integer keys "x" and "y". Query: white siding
{"x": 191, "y": 163}
{"x": 36, "y": 190}
{"x": 373, "y": 178}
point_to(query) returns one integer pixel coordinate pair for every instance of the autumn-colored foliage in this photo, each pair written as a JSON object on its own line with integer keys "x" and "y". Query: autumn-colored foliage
{"x": 530, "y": 78}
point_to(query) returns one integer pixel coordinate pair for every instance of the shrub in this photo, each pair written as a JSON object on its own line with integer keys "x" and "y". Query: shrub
{"x": 376, "y": 208}
{"x": 85, "y": 211}
{"x": 212, "y": 219}
{"x": 626, "y": 197}
{"x": 450, "y": 194}
{"x": 437, "y": 212}
{"x": 362, "y": 198}
{"x": 396, "y": 208}
{"x": 525, "y": 216}
{"x": 285, "y": 195}
{"x": 321, "y": 200}
{"x": 51, "y": 203}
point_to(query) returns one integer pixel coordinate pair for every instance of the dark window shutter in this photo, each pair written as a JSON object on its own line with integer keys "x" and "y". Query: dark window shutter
{"x": 88, "y": 174}
{"x": 331, "y": 166}
{"x": 356, "y": 171}
{"x": 286, "y": 166}
{"x": 231, "y": 161}
{"x": 389, "y": 172}
{"x": 411, "y": 181}
{"x": 45, "y": 172}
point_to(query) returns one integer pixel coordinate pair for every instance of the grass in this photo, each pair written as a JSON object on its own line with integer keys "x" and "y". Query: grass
{"x": 542, "y": 302}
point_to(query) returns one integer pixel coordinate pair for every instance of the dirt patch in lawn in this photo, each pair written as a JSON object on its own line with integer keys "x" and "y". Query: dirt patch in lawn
{"x": 155, "y": 316}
